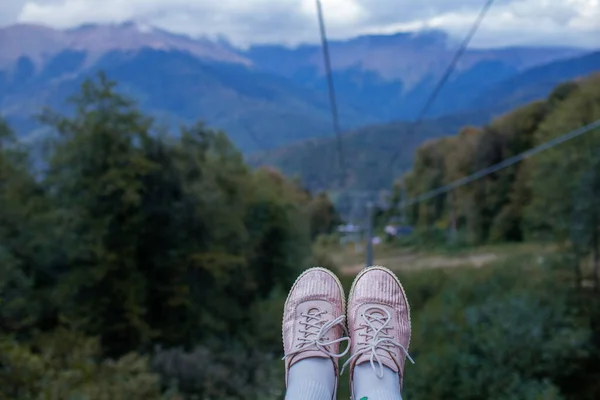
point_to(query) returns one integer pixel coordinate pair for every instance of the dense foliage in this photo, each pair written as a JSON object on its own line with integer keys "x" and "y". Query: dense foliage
{"x": 514, "y": 330}
{"x": 528, "y": 328}
{"x": 121, "y": 241}
{"x": 549, "y": 196}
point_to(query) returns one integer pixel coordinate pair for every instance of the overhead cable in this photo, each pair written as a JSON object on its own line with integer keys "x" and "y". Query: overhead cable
{"x": 449, "y": 70}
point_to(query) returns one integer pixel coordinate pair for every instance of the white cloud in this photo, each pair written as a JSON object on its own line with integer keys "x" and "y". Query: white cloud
{"x": 340, "y": 12}
{"x": 509, "y": 22}
{"x": 10, "y": 10}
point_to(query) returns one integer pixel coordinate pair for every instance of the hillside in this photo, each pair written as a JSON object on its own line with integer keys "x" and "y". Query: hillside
{"x": 367, "y": 151}
{"x": 370, "y": 149}
{"x": 264, "y": 97}
{"x": 509, "y": 204}
{"x": 536, "y": 83}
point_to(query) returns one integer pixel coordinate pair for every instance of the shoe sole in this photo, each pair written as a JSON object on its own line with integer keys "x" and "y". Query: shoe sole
{"x": 387, "y": 270}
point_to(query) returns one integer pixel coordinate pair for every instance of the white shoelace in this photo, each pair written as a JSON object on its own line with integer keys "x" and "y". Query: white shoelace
{"x": 376, "y": 338}
{"x": 315, "y": 331}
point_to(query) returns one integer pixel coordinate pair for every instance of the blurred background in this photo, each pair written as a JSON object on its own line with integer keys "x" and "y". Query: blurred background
{"x": 168, "y": 168}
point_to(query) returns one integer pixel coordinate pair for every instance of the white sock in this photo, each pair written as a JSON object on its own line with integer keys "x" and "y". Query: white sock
{"x": 311, "y": 379}
{"x": 368, "y": 385}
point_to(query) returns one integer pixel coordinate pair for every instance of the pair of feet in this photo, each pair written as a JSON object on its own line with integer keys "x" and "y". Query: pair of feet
{"x": 378, "y": 317}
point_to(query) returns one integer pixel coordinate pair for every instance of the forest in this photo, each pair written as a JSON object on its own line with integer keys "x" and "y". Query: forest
{"x": 551, "y": 196}
{"x": 118, "y": 241}
{"x": 139, "y": 263}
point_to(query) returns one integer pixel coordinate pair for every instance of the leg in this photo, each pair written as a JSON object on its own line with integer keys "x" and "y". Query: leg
{"x": 367, "y": 384}
{"x": 379, "y": 323}
{"x": 313, "y": 378}
{"x": 313, "y": 328}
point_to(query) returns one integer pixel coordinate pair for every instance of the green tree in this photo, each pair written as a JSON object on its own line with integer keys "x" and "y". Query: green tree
{"x": 558, "y": 172}
{"x": 96, "y": 178}
{"x": 25, "y": 263}
{"x": 514, "y": 203}
{"x": 323, "y": 215}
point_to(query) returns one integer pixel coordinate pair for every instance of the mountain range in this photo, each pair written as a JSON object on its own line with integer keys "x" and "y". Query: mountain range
{"x": 269, "y": 96}
{"x": 377, "y": 154}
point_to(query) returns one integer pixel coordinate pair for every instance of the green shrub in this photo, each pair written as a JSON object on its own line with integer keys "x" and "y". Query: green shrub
{"x": 509, "y": 332}
{"x": 65, "y": 365}
{"x": 221, "y": 372}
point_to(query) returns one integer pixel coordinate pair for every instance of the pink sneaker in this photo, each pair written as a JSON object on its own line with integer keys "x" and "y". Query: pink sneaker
{"x": 314, "y": 319}
{"x": 379, "y": 322}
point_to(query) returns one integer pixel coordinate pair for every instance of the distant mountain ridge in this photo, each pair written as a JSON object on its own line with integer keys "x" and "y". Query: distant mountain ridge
{"x": 265, "y": 97}
{"x": 391, "y": 76}
{"x": 40, "y": 44}
{"x": 372, "y": 148}
{"x": 536, "y": 83}
{"x": 396, "y": 56}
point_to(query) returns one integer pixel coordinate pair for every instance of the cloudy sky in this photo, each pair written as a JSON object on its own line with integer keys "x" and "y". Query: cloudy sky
{"x": 243, "y": 22}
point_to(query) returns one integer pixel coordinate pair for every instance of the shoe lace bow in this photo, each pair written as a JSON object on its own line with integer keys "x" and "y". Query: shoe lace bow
{"x": 315, "y": 329}
{"x": 375, "y": 331}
